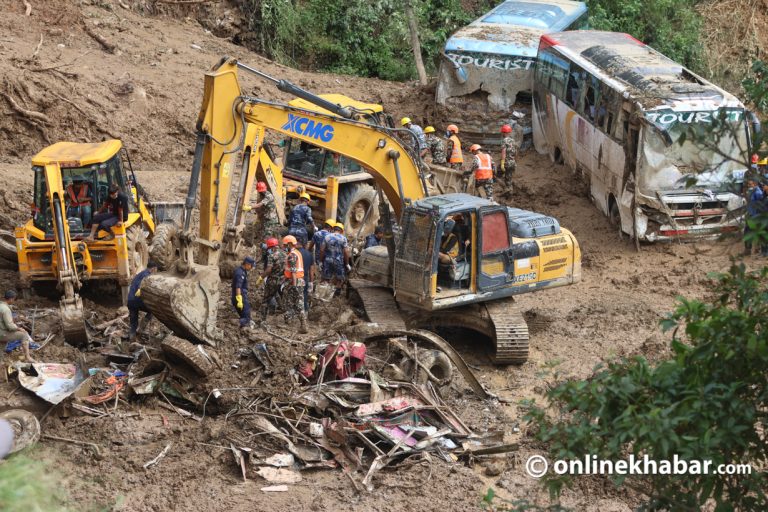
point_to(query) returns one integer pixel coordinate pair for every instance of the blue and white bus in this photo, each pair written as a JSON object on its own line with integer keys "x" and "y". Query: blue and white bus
{"x": 487, "y": 66}
{"x": 662, "y": 149}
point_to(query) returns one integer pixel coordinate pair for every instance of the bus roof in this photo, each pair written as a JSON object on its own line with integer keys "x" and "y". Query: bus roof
{"x": 635, "y": 68}
{"x": 514, "y": 27}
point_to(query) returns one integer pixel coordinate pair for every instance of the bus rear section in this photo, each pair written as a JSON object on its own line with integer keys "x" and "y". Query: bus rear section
{"x": 487, "y": 67}
{"x": 663, "y": 150}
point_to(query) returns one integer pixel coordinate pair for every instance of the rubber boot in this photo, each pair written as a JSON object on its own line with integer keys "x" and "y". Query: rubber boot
{"x": 303, "y": 329}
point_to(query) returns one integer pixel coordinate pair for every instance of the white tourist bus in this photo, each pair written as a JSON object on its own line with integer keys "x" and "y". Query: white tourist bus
{"x": 662, "y": 149}
{"x": 487, "y": 66}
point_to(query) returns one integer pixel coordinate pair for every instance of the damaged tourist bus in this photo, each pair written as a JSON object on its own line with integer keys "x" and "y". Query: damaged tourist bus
{"x": 487, "y": 66}
{"x": 662, "y": 150}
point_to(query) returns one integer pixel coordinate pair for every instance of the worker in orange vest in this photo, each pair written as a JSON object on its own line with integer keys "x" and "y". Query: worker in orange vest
{"x": 484, "y": 168}
{"x": 293, "y": 277}
{"x": 455, "y": 157}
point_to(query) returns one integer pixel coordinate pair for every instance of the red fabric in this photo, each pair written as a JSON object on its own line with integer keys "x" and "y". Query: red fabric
{"x": 495, "y": 232}
{"x": 344, "y": 359}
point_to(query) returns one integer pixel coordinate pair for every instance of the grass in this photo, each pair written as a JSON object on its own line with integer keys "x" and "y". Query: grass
{"x": 28, "y": 485}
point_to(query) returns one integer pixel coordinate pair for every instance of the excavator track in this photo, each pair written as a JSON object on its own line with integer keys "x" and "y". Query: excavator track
{"x": 511, "y": 332}
{"x": 379, "y": 304}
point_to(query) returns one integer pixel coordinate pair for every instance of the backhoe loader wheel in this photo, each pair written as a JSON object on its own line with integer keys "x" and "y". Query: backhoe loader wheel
{"x": 138, "y": 249}
{"x": 8, "y": 257}
{"x": 354, "y": 201}
{"x": 194, "y": 356}
{"x": 164, "y": 245}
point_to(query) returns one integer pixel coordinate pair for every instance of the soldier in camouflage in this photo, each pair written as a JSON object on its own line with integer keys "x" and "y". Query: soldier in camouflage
{"x": 272, "y": 277}
{"x": 293, "y": 278}
{"x": 508, "y": 154}
{"x": 483, "y": 168}
{"x": 436, "y": 146}
{"x": 268, "y": 223}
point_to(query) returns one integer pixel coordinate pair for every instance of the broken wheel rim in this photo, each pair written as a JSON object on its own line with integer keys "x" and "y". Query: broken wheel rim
{"x": 26, "y": 428}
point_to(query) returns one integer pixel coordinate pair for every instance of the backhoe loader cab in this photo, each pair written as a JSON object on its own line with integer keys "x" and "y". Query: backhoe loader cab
{"x": 341, "y": 186}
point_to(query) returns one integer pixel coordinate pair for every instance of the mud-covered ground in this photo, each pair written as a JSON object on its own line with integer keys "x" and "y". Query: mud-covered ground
{"x": 147, "y": 92}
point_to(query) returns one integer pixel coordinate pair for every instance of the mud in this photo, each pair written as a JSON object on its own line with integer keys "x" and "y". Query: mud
{"x": 147, "y": 93}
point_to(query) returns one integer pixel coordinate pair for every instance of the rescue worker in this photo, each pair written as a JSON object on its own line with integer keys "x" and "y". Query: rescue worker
{"x": 455, "y": 156}
{"x": 301, "y": 217}
{"x": 293, "y": 276}
{"x": 113, "y": 212}
{"x": 509, "y": 148}
{"x": 240, "y": 292}
{"x": 272, "y": 277}
{"x": 136, "y": 303}
{"x": 449, "y": 244}
{"x": 418, "y": 132}
{"x": 754, "y": 209}
{"x": 483, "y": 167}
{"x": 335, "y": 255}
{"x": 316, "y": 244}
{"x": 266, "y": 209}
{"x": 435, "y": 145}
{"x": 309, "y": 270}
{"x": 374, "y": 238}
{"x": 9, "y": 331}
{"x": 79, "y": 200}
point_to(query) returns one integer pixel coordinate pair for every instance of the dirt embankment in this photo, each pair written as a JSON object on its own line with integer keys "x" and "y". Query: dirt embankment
{"x": 147, "y": 91}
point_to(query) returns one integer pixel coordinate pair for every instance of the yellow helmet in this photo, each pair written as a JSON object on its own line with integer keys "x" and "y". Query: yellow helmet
{"x": 404, "y": 121}
{"x": 330, "y": 222}
{"x": 304, "y": 195}
{"x": 429, "y": 129}
{"x": 764, "y": 161}
{"x": 339, "y": 225}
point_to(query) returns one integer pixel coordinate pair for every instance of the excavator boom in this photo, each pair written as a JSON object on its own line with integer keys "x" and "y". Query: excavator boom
{"x": 186, "y": 298}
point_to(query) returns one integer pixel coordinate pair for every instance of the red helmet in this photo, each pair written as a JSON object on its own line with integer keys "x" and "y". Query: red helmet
{"x": 506, "y": 129}
{"x": 271, "y": 242}
{"x": 755, "y": 158}
{"x": 261, "y": 187}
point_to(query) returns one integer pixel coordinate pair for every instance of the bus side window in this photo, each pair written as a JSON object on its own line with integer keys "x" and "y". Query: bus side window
{"x": 575, "y": 81}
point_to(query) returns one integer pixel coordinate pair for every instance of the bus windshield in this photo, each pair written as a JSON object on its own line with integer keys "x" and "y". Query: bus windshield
{"x": 705, "y": 146}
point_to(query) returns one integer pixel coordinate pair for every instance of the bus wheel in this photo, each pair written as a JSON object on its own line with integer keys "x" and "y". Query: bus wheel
{"x": 614, "y": 216}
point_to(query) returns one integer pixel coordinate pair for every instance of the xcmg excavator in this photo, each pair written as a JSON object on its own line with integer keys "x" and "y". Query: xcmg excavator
{"x": 500, "y": 251}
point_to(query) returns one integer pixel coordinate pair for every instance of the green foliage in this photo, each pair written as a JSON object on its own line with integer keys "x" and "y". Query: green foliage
{"x": 27, "y": 485}
{"x": 709, "y": 402}
{"x": 360, "y": 37}
{"x": 756, "y": 86}
{"x": 673, "y": 27}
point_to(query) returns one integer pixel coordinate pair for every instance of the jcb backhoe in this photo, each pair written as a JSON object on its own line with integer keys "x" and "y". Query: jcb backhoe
{"x": 71, "y": 183}
{"x": 504, "y": 251}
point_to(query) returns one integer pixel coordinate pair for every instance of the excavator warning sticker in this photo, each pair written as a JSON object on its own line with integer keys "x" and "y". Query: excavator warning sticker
{"x": 308, "y": 127}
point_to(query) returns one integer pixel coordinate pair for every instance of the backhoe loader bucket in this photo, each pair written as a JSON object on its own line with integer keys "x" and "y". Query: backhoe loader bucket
{"x": 187, "y": 303}
{"x": 73, "y": 322}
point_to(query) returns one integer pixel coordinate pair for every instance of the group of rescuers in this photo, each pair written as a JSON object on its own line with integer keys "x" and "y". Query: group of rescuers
{"x": 290, "y": 269}
{"x": 448, "y": 151}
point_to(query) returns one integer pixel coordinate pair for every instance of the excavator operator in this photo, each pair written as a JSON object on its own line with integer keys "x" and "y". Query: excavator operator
{"x": 79, "y": 199}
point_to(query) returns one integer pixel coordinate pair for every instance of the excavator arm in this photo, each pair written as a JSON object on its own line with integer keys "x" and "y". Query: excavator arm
{"x": 71, "y": 306}
{"x": 229, "y": 123}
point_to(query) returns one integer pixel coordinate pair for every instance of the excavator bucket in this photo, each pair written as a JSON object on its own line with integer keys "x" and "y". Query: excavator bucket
{"x": 73, "y": 322}
{"x": 187, "y": 303}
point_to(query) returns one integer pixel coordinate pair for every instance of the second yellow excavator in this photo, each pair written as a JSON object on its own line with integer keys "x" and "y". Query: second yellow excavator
{"x": 457, "y": 259}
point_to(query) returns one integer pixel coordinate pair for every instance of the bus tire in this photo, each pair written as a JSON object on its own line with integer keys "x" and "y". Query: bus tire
{"x": 354, "y": 201}
{"x": 614, "y": 215}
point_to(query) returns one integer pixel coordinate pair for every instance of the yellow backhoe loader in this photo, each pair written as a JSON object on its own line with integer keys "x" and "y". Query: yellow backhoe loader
{"x": 71, "y": 183}
{"x": 503, "y": 251}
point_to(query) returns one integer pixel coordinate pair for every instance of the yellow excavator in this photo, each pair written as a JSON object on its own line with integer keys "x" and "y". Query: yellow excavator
{"x": 501, "y": 251}
{"x": 71, "y": 182}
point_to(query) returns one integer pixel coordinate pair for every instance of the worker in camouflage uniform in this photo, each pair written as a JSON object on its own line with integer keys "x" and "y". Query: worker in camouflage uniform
{"x": 268, "y": 222}
{"x": 316, "y": 244}
{"x": 508, "y": 164}
{"x": 301, "y": 218}
{"x": 436, "y": 146}
{"x": 484, "y": 169}
{"x": 272, "y": 277}
{"x": 293, "y": 277}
